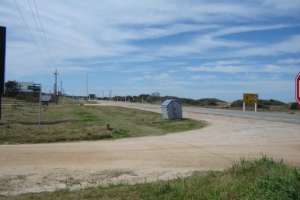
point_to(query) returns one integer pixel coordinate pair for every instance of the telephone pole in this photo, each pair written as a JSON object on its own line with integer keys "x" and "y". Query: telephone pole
{"x": 110, "y": 94}
{"x": 61, "y": 88}
{"x": 87, "y": 86}
{"x": 55, "y": 86}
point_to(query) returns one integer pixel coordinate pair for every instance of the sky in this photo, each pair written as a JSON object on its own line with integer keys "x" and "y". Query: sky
{"x": 192, "y": 48}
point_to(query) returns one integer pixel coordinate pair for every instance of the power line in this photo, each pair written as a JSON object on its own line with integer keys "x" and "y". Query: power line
{"x": 39, "y": 20}
{"x": 41, "y": 27}
{"x": 33, "y": 15}
{"x": 36, "y": 20}
{"x": 34, "y": 39}
{"x": 24, "y": 21}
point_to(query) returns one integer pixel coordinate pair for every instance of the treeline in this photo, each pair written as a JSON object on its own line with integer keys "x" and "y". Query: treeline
{"x": 31, "y": 93}
{"x": 267, "y": 104}
{"x": 12, "y": 90}
{"x": 147, "y": 98}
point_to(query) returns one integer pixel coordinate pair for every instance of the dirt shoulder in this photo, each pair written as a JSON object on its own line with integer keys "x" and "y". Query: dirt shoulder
{"x": 46, "y": 167}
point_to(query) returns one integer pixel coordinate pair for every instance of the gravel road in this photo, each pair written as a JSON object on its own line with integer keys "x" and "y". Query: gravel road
{"x": 228, "y": 137}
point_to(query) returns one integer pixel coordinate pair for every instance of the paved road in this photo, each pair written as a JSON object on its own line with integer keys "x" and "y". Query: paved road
{"x": 40, "y": 167}
{"x": 289, "y": 117}
{"x": 269, "y": 116}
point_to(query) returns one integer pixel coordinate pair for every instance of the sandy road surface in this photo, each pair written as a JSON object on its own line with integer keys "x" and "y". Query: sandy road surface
{"x": 40, "y": 167}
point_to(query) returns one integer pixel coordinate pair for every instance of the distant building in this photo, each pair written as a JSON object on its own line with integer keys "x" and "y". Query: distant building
{"x": 171, "y": 109}
{"x": 28, "y": 87}
{"x": 92, "y": 96}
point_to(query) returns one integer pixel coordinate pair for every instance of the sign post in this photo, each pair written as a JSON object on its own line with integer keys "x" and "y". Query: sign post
{"x": 2, "y": 64}
{"x": 297, "y": 88}
{"x": 250, "y": 99}
{"x": 40, "y": 104}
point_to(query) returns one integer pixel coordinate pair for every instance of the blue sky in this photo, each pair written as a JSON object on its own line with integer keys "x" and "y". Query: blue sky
{"x": 192, "y": 48}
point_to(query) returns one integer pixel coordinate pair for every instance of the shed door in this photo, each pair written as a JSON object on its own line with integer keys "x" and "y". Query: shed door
{"x": 175, "y": 110}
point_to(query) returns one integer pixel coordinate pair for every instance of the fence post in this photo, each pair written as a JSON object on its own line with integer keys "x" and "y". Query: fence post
{"x": 40, "y": 95}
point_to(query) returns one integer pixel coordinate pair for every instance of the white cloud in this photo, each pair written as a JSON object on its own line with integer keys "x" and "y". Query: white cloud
{"x": 203, "y": 77}
{"x": 223, "y": 69}
{"x": 80, "y": 29}
{"x": 290, "y": 45}
{"x": 289, "y": 61}
{"x": 110, "y": 36}
{"x": 266, "y": 68}
{"x": 212, "y": 40}
{"x": 290, "y": 6}
{"x": 250, "y": 28}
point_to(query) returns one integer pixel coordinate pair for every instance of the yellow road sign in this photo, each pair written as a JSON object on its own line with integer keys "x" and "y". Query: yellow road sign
{"x": 250, "y": 98}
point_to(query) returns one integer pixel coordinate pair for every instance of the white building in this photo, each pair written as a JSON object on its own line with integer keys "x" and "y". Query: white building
{"x": 28, "y": 87}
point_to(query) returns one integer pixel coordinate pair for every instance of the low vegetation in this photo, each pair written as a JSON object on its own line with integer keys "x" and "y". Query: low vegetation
{"x": 270, "y": 104}
{"x": 259, "y": 179}
{"x": 208, "y": 102}
{"x": 70, "y": 122}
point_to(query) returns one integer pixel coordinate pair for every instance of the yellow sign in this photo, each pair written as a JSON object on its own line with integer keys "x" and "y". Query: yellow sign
{"x": 250, "y": 98}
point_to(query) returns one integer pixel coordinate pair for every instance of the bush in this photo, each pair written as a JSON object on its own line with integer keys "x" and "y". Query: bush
{"x": 294, "y": 106}
{"x": 11, "y": 89}
{"x": 263, "y": 178}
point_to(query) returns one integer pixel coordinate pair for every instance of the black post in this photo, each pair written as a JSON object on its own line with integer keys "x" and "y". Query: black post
{"x": 2, "y": 64}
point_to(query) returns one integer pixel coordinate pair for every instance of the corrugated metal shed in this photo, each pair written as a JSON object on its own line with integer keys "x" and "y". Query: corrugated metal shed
{"x": 171, "y": 109}
{"x": 45, "y": 97}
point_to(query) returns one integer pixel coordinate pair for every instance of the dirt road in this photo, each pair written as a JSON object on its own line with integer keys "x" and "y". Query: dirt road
{"x": 41, "y": 167}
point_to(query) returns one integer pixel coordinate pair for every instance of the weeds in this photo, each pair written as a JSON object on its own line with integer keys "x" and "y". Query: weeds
{"x": 73, "y": 123}
{"x": 263, "y": 179}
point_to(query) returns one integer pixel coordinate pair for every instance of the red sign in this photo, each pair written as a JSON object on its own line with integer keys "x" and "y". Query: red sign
{"x": 297, "y": 91}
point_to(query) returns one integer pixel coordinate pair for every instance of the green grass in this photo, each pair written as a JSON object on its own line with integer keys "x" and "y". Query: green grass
{"x": 259, "y": 179}
{"x": 72, "y": 122}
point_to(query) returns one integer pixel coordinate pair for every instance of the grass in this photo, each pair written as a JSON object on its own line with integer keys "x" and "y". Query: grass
{"x": 72, "y": 122}
{"x": 262, "y": 179}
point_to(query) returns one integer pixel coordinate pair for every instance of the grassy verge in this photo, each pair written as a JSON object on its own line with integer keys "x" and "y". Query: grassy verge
{"x": 259, "y": 179}
{"x": 73, "y": 122}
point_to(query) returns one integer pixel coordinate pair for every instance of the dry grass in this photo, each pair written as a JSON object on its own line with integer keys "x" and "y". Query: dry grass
{"x": 259, "y": 179}
{"x": 72, "y": 122}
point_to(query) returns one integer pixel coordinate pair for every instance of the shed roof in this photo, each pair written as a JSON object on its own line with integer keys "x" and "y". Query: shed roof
{"x": 45, "y": 97}
{"x": 168, "y": 101}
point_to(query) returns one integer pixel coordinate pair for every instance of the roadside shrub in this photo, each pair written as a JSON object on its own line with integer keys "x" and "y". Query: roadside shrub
{"x": 294, "y": 106}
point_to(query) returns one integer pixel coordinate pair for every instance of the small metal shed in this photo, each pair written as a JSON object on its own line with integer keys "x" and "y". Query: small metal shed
{"x": 45, "y": 98}
{"x": 171, "y": 109}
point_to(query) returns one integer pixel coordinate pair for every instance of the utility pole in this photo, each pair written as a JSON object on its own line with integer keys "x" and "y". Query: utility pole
{"x": 2, "y": 64}
{"x": 55, "y": 86}
{"x": 40, "y": 105}
{"x": 110, "y": 94}
{"x": 61, "y": 87}
{"x": 87, "y": 86}
{"x": 62, "y": 92}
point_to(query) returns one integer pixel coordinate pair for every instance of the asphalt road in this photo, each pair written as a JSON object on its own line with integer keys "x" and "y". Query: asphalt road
{"x": 288, "y": 117}
{"x": 269, "y": 116}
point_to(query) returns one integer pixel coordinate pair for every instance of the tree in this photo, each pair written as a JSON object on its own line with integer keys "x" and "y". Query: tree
{"x": 155, "y": 94}
{"x": 294, "y": 106}
{"x": 11, "y": 89}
